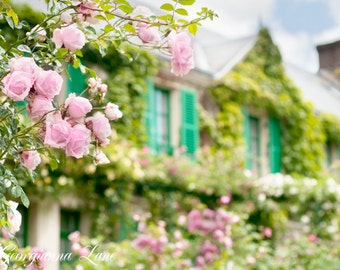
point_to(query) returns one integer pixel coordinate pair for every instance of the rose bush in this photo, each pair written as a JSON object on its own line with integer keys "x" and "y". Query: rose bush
{"x": 32, "y": 70}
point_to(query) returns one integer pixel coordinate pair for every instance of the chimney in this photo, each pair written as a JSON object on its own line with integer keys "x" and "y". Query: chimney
{"x": 329, "y": 57}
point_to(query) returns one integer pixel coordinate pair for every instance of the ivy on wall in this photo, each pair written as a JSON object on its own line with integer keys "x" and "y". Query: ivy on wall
{"x": 260, "y": 82}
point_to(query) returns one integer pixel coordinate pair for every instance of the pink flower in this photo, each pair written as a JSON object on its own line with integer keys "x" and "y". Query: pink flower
{"x": 112, "y": 111}
{"x": 79, "y": 267}
{"x": 143, "y": 241}
{"x": 69, "y": 36}
{"x": 38, "y": 259}
{"x": 267, "y": 232}
{"x": 182, "y": 59}
{"x": 78, "y": 141}
{"x": 77, "y": 107}
{"x": 74, "y": 237}
{"x": 25, "y": 64}
{"x": 17, "y": 85}
{"x": 38, "y": 107}
{"x": 14, "y": 218}
{"x": 194, "y": 220}
{"x": 225, "y": 199}
{"x": 30, "y": 159}
{"x": 87, "y": 11}
{"x": 84, "y": 252}
{"x": 48, "y": 83}
{"x": 57, "y": 131}
{"x": 148, "y": 34}
{"x": 100, "y": 127}
{"x": 312, "y": 238}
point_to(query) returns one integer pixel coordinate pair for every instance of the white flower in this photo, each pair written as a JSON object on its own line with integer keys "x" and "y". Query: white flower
{"x": 14, "y": 218}
{"x": 112, "y": 111}
{"x": 101, "y": 158}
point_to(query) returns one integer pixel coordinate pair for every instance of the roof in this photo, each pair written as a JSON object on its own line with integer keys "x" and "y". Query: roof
{"x": 217, "y": 55}
{"x": 322, "y": 91}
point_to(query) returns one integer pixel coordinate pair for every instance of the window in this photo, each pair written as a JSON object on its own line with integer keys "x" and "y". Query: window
{"x": 69, "y": 222}
{"x": 254, "y": 145}
{"x": 162, "y": 119}
{"x": 159, "y": 119}
{"x": 275, "y": 149}
{"x": 76, "y": 82}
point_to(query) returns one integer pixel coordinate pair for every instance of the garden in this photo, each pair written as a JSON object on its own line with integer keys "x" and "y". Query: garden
{"x": 152, "y": 211}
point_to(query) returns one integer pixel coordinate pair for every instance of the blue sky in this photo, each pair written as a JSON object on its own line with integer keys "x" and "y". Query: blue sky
{"x": 297, "y": 26}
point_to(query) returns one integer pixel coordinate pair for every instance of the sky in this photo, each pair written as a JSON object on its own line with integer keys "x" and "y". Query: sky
{"x": 296, "y": 26}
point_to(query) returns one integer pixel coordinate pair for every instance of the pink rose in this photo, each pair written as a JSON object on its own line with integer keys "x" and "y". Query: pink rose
{"x": 30, "y": 159}
{"x": 148, "y": 34}
{"x": 182, "y": 59}
{"x": 69, "y": 36}
{"x": 38, "y": 107}
{"x": 14, "y": 218}
{"x": 78, "y": 142}
{"x": 74, "y": 237}
{"x": 87, "y": 11}
{"x": 57, "y": 131}
{"x": 17, "y": 85}
{"x": 112, "y": 111}
{"x": 77, "y": 107}
{"x": 100, "y": 127}
{"x": 25, "y": 64}
{"x": 38, "y": 259}
{"x": 48, "y": 83}
{"x": 225, "y": 199}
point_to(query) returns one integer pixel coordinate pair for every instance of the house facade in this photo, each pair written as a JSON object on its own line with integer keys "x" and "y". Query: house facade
{"x": 221, "y": 81}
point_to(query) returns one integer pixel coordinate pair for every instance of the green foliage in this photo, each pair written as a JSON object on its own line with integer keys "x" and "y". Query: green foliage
{"x": 126, "y": 79}
{"x": 260, "y": 82}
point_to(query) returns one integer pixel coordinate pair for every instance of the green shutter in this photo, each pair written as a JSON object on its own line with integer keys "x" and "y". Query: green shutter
{"x": 189, "y": 127}
{"x": 246, "y": 134}
{"x": 275, "y": 148}
{"x": 150, "y": 121}
{"x": 76, "y": 82}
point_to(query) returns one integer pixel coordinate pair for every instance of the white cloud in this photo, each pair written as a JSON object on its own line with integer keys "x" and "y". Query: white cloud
{"x": 334, "y": 7}
{"x": 297, "y": 49}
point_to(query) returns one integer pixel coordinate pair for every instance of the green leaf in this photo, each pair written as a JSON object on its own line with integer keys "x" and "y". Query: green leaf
{"x": 13, "y": 15}
{"x": 182, "y": 11}
{"x": 108, "y": 28}
{"x": 186, "y": 2}
{"x": 24, "y": 199}
{"x": 129, "y": 28}
{"x": 192, "y": 28}
{"x": 167, "y": 7}
{"x": 10, "y": 22}
{"x": 126, "y": 9}
{"x": 24, "y": 48}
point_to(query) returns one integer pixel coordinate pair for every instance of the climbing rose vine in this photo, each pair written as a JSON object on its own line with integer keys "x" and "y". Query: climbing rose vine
{"x": 35, "y": 116}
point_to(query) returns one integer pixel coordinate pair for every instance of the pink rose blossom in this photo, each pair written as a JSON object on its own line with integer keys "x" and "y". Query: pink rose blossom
{"x": 69, "y": 36}
{"x": 87, "y": 11}
{"x": 100, "y": 127}
{"x": 25, "y": 64}
{"x": 77, "y": 107}
{"x": 182, "y": 59}
{"x": 30, "y": 159}
{"x": 48, "y": 83}
{"x": 57, "y": 131}
{"x": 84, "y": 252}
{"x": 75, "y": 247}
{"x": 148, "y": 34}
{"x": 38, "y": 259}
{"x": 78, "y": 141}
{"x": 14, "y": 218}
{"x": 267, "y": 232}
{"x": 79, "y": 267}
{"x": 225, "y": 199}
{"x": 38, "y": 107}
{"x": 17, "y": 85}
{"x": 312, "y": 238}
{"x": 112, "y": 111}
{"x": 74, "y": 237}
